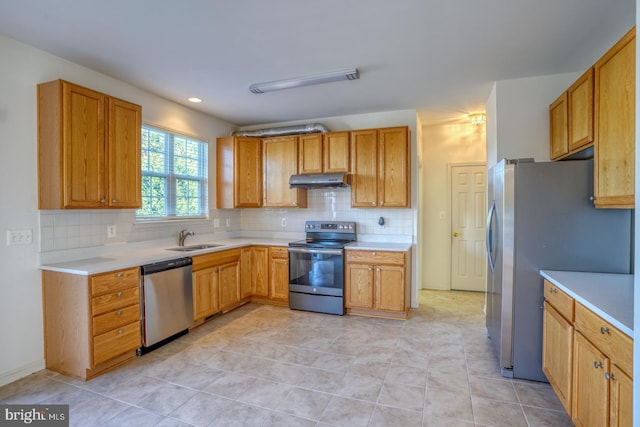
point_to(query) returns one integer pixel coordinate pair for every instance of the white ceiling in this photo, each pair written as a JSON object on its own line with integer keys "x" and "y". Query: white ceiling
{"x": 437, "y": 57}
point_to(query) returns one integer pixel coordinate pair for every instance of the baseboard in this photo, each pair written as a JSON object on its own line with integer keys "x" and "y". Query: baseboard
{"x": 21, "y": 372}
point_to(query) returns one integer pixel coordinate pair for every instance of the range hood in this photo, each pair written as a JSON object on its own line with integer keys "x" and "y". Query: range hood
{"x": 321, "y": 180}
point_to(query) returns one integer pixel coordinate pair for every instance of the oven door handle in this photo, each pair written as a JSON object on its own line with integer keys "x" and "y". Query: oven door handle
{"x": 316, "y": 251}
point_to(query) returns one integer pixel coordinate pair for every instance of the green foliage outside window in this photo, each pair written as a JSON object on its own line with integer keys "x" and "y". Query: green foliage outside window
{"x": 174, "y": 176}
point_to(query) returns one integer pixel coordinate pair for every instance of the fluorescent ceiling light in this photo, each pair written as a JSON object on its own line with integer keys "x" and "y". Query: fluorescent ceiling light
{"x": 195, "y": 100}
{"x": 351, "y": 74}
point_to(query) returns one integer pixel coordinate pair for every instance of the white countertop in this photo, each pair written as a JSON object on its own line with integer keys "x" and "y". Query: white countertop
{"x": 608, "y": 295}
{"x": 128, "y": 256}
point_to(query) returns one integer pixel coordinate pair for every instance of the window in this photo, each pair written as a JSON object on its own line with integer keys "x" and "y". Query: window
{"x": 174, "y": 176}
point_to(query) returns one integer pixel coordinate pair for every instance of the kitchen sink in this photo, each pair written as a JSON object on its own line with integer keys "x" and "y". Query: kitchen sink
{"x": 194, "y": 247}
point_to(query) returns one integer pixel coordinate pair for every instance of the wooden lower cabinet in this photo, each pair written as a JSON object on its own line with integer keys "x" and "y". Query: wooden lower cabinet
{"x": 376, "y": 283}
{"x": 91, "y": 323}
{"x": 279, "y": 274}
{"x": 216, "y": 282}
{"x": 588, "y": 362}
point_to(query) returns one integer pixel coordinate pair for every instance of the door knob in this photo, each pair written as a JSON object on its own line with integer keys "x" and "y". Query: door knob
{"x": 455, "y": 234}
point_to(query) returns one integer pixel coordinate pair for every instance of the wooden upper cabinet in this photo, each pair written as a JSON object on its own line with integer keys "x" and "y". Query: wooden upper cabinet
{"x": 238, "y": 172}
{"x": 336, "y": 152}
{"x": 88, "y": 149}
{"x": 580, "y": 107}
{"x": 380, "y": 167}
{"x": 280, "y": 162}
{"x": 123, "y": 127}
{"x": 324, "y": 153}
{"x": 310, "y": 158}
{"x": 558, "y": 127}
{"x": 614, "y": 138}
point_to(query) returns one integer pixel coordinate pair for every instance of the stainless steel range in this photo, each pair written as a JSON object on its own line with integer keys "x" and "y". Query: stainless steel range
{"x": 316, "y": 267}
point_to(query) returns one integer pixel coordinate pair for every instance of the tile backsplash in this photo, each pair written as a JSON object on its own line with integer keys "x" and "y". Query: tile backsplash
{"x": 72, "y": 229}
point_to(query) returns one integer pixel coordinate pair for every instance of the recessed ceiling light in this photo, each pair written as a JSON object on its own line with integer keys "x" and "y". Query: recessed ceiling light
{"x": 195, "y": 100}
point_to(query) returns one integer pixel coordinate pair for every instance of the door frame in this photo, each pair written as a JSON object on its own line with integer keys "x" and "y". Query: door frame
{"x": 450, "y": 166}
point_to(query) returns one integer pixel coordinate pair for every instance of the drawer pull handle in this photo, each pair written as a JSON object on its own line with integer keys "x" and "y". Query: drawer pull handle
{"x": 597, "y": 364}
{"x": 119, "y": 294}
{"x": 608, "y": 376}
{"x": 119, "y": 312}
{"x": 120, "y": 275}
{"x": 604, "y": 330}
{"x": 120, "y": 331}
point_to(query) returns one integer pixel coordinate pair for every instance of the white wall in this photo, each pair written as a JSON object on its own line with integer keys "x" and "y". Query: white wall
{"x": 518, "y": 116}
{"x": 442, "y": 145}
{"x": 23, "y": 67}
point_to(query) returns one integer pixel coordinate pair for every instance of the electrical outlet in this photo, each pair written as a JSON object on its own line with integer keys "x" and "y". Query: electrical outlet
{"x": 216, "y": 223}
{"x": 111, "y": 231}
{"x": 283, "y": 222}
{"x": 19, "y": 237}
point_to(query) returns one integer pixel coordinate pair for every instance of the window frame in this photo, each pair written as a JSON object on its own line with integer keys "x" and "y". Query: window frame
{"x": 171, "y": 178}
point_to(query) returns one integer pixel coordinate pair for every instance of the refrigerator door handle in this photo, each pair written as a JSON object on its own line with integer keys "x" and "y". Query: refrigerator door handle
{"x": 489, "y": 238}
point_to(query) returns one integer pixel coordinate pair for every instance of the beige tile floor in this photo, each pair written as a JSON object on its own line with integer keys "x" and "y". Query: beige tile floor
{"x": 271, "y": 366}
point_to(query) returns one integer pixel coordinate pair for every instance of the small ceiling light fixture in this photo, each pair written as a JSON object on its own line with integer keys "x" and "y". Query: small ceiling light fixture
{"x": 195, "y": 100}
{"x": 477, "y": 118}
{"x": 351, "y": 74}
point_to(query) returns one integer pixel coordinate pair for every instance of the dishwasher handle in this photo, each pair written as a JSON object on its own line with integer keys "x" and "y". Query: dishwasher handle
{"x": 158, "y": 267}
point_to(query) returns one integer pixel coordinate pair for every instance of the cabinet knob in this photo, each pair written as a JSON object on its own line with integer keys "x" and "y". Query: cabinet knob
{"x": 119, "y": 294}
{"x": 103, "y": 201}
{"x": 381, "y": 202}
{"x": 373, "y": 203}
{"x": 370, "y": 268}
{"x": 378, "y": 269}
{"x": 120, "y": 331}
{"x": 597, "y": 364}
{"x": 119, "y": 275}
{"x": 604, "y": 330}
{"x": 553, "y": 290}
{"x": 608, "y": 376}
{"x": 119, "y": 312}
{"x": 114, "y": 201}
{"x": 373, "y": 254}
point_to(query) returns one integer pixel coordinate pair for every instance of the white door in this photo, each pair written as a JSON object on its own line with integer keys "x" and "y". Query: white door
{"x": 468, "y": 216}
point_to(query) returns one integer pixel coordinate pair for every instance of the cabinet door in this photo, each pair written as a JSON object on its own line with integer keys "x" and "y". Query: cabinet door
{"x": 229, "y": 284}
{"x": 389, "y": 288}
{"x": 280, "y": 162}
{"x": 590, "y": 387}
{"x": 359, "y": 286}
{"x": 558, "y": 127}
{"x": 83, "y": 135}
{"x": 260, "y": 285}
{"x": 614, "y": 142}
{"x": 205, "y": 292}
{"x": 364, "y": 167}
{"x": 393, "y": 184}
{"x": 279, "y": 279}
{"x": 247, "y": 172}
{"x": 580, "y": 103}
{"x": 336, "y": 152}
{"x": 621, "y": 398}
{"x": 123, "y": 141}
{"x": 310, "y": 160}
{"x": 246, "y": 272}
{"x": 557, "y": 354}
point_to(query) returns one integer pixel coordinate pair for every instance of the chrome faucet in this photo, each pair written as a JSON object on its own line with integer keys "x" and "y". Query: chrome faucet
{"x": 182, "y": 236}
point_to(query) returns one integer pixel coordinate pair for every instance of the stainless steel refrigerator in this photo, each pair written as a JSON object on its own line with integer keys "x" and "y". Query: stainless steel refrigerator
{"x": 541, "y": 217}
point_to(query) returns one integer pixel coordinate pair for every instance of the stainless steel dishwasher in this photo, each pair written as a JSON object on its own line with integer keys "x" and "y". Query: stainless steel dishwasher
{"x": 166, "y": 300}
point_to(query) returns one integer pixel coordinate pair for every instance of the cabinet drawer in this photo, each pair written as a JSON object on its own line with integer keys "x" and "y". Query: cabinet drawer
{"x": 613, "y": 343}
{"x": 115, "y": 300}
{"x": 376, "y": 257}
{"x": 115, "y": 280}
{"x": 115, "y": 319}
{"x": 200, "y": 262}
{"x": 279, "y": 252}
{"x": 116, "y": 342}
{"x": 562, "y": 302}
